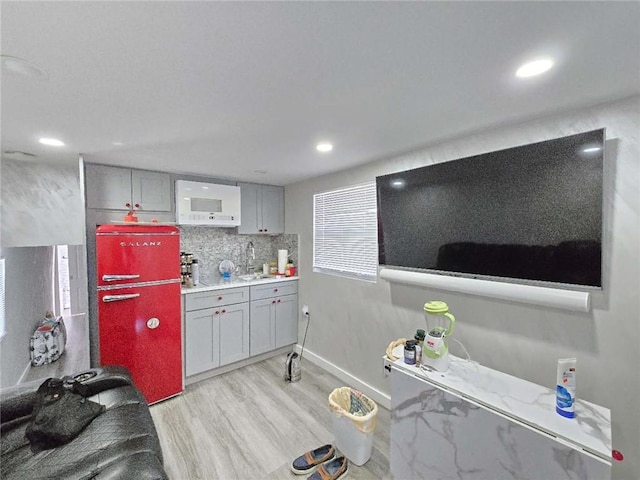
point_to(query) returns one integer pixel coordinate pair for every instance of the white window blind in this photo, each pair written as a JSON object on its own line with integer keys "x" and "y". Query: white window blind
{"x": 345, "y": 232}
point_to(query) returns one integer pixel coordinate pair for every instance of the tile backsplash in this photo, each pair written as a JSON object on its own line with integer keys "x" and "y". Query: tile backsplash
{"x": 212, "y": 245}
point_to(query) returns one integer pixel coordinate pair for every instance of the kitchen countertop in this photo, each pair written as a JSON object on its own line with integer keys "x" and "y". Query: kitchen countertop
{"x": 234, "y": 282}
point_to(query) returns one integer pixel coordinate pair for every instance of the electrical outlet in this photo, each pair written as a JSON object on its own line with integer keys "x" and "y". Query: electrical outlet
{"x": 305, "y": 310}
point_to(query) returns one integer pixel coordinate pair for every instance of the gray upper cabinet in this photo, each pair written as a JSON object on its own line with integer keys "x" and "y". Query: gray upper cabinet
{"x": 262, "y": 209}
{"x": 115, "y": 188}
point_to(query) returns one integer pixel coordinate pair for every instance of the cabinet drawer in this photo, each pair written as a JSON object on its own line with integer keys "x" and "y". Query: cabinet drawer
{"x": 215, "y": 298}
{"x": 258, "y": 292}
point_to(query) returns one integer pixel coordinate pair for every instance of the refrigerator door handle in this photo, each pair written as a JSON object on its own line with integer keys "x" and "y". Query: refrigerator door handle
{"x": 115, "y": 278}
{"x": 116, "y": 298}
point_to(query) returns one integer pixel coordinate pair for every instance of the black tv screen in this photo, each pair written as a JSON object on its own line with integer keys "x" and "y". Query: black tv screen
{"x": 531, "y": 213}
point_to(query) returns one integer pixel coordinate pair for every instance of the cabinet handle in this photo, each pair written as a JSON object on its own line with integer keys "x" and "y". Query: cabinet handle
{"x": 275, "y": 290}
{"x": 128, "y": 205}
{"x": 219, "y": 298}
{"x": 278, "y": 300}
{"x": 273, "y": 301}
{"x": 137, "y": 205}
{"x": 265, "y": 229}
{"x": 224, "y": 311}
{"x": 217, "y": 312}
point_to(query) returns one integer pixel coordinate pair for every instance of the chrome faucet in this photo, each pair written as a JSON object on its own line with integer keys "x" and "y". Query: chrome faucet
{"x": 250, "y": 253}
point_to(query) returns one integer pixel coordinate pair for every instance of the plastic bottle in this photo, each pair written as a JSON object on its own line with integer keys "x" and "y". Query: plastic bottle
{"x": 410, "y": 352}
{"x": 195, "y": 272}
{"x": 566, "y": 387}
{"x": 419, "y": 338}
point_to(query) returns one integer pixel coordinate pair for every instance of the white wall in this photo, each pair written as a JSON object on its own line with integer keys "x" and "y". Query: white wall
{"x": 42, "y": 204}
{"x": 28, "y": 295}
{"x": 352, "y": 322}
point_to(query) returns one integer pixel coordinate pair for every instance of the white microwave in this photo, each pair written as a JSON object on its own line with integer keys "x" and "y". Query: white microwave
{"x": 199, "y": 203}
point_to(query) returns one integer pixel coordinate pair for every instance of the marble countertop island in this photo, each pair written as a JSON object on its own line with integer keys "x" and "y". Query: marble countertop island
{"x": 526, "y": 402}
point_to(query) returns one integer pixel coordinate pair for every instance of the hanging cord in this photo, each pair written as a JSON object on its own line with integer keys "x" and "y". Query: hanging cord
{"x": 463, "y": 348}
{"x": 308, "y": 315}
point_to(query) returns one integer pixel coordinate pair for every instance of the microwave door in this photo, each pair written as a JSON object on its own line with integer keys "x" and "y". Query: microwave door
{"x": 206, "y": 205}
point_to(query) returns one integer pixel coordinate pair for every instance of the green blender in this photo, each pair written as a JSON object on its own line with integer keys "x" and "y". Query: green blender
{"x": 440, "y": 323}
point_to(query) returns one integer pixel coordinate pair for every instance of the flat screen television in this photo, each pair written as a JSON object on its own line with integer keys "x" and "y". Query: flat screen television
{"x": 529, "y": 214}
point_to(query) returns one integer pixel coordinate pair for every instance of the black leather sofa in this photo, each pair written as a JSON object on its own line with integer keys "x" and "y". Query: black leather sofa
{"x": 121, "y": 443}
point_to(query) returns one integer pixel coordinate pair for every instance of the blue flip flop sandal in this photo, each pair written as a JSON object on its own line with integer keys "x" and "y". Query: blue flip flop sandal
{"x": 308, "y": 462}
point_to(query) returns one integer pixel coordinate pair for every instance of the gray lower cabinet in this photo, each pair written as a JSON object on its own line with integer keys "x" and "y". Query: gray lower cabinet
{"x": 262, "y": 336}
{"x": 274, "y": 316}
{"x": 216, "y": 332}
{"x": 202, "y": 345}
{"x": 286, "y": 320}
{"x": 234, "y": 333}
{"x": 228, "y": 325}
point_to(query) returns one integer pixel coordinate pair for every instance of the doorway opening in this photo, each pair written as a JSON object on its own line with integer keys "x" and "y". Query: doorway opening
{"x": 70, "y": 280}
{"x": 64, "y": 291}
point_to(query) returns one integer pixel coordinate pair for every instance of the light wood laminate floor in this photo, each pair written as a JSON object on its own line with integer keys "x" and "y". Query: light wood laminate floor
{"x": 251, "y": 424}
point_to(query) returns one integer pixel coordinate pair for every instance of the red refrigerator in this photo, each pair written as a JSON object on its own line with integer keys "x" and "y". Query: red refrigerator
{"x": 139, "y": 322}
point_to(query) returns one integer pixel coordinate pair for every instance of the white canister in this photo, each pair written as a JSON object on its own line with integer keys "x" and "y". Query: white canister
{"x": 283, "y": 257}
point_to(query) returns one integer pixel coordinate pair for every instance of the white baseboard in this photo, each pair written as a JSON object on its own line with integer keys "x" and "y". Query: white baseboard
{"x": 380, "y": 397}
{"x": 25, "y": 372}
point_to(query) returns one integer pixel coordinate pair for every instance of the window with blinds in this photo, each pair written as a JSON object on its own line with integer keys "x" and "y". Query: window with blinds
{"x": 345, "y": 232}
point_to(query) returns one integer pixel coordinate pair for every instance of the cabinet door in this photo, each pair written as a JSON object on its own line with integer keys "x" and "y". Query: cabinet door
{"x": 234, "y": 333}
{"x": 272, "y": 209}
{"x": 262, "y": 326}
{"x": 286, "y": 320}
{"x": 250, "y": 213}
{"x": 151, "y": 190}
{"x": 202, "y": 343}
{"x": 108, "y": 187}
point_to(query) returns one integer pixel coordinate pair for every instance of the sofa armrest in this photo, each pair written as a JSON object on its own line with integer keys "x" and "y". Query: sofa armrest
{"x": 18, "y": 401}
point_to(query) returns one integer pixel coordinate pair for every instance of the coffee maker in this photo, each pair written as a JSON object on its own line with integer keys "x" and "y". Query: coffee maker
{"x": 440, "y": 323}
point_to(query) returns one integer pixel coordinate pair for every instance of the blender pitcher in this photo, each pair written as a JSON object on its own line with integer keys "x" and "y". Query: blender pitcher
{"x": 435, "y": 350}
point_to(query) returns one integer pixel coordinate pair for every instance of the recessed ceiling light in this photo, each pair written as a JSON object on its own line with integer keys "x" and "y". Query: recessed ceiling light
{"x": 591, "y": 149}
{"x": 533, "y": 68}
{"x": 117, "y": 144}
{"x": 22, "y": 67}
{"x": 260, "y": 171}
{"x": 399, "y": 183}
{"x": 53, "y": 142}
{"x": 324, "y": 147}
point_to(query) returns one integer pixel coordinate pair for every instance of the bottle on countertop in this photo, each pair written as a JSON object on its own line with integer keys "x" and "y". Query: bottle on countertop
{"x": 273, "y": 268}
{"x": 419, "y": 338}
{"x": 410, "y": 352}
{"x": 195, "y": 271}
